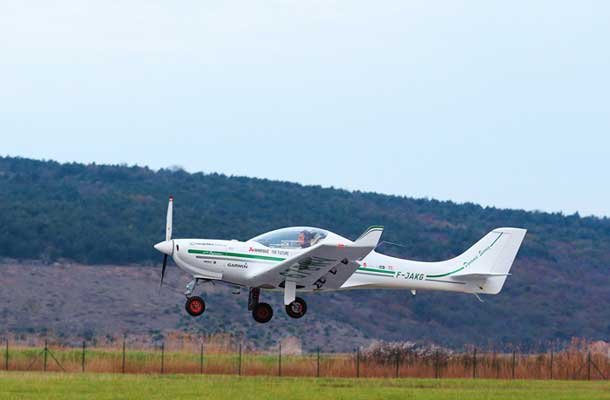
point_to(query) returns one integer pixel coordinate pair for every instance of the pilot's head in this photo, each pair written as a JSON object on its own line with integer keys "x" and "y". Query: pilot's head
{"x": 305, "y": 239}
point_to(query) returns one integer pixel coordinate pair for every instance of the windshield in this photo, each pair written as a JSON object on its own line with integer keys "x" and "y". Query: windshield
{"x": 291, "y": 238}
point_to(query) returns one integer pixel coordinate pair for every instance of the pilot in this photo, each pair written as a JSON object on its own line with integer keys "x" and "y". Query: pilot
{"x": 305, "y": 238}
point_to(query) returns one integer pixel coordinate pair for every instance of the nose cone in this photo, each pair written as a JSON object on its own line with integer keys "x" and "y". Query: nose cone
{"x": 166, "y": 247}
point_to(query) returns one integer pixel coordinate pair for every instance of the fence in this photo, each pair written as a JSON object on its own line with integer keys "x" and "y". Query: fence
{"x": 569, "y": 364}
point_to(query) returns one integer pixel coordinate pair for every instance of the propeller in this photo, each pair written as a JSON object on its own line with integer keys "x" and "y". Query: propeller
{"x": 166, "y": 247}
{"x": 163, "y": 270}
{"x": 169, "y": 219}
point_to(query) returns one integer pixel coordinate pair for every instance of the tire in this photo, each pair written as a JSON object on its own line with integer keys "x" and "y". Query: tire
{"x": 195, "y": 306}
{"x": 297, "y": 308}
{"x": 262, "y": 313}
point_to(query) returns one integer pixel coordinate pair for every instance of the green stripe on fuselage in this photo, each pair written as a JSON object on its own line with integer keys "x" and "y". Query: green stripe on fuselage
{"x": 383, "y": 271}
{"x": 239, "y": 255}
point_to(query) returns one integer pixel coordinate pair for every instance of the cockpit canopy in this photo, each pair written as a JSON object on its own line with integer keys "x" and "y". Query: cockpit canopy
{"x": 291, "y": 238}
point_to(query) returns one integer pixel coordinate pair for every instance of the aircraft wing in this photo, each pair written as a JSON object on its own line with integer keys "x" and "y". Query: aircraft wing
{"x": 336, "y": 277}
{"x": 307, "y": 268}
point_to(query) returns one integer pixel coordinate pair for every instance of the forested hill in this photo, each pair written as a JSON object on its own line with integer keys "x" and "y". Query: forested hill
{"x": 101, "y": 214}
{"x": 112, "y": 214}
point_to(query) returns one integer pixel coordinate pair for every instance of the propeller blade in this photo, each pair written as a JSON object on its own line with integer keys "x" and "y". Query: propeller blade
{"x": 163, "y": 270}
{"x": 169, "y": 220}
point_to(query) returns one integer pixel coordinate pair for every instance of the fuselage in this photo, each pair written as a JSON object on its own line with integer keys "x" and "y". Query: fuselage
{"x": 235, "y": 262}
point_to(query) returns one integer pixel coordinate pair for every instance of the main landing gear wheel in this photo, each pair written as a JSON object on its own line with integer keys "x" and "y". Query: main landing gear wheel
{"x": 262, "y": 313}
{"x": 195, "y": 306}
{"x": 297, "y": 308}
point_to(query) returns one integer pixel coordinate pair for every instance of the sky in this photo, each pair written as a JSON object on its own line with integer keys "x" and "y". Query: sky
{"x": 504, "y": 104}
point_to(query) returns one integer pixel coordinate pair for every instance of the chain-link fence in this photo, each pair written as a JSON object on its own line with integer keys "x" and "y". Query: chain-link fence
{"x": 130, "y": 356}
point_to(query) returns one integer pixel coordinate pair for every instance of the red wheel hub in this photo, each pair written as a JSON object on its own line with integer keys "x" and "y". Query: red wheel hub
{"x": 196, "y": 306}
{"x": 263, "y": 313}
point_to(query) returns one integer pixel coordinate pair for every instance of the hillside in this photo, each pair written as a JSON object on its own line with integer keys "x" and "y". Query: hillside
{"x": 111, "y": 215}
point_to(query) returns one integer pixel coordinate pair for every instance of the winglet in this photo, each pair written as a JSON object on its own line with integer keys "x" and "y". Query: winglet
{"x": 370, "y": 238}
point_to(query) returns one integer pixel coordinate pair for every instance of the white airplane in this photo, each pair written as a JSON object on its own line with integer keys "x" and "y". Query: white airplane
{"x": 304, "y": 259}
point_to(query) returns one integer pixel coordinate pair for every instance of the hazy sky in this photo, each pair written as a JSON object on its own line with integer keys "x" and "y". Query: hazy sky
{"x": 499, "y": 103}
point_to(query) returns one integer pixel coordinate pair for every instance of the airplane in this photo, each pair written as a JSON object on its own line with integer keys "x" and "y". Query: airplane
{"x": 306, "y": 259}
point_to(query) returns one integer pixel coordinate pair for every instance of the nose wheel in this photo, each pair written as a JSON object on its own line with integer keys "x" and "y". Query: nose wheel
{"x": 297, "y": 308}
{"x": 195, "y": 306}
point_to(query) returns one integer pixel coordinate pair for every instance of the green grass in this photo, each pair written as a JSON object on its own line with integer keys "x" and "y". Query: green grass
{"x": 33, "y": 385}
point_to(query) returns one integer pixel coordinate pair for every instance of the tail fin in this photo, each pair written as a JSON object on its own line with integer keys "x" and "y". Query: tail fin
{"x": 485, "y": 266}
{"x": 370, "y": 238}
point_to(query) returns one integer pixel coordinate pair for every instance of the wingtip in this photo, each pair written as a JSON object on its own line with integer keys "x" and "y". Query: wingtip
{"x": 373, "y": 232}
{"x": 373, "y": 228}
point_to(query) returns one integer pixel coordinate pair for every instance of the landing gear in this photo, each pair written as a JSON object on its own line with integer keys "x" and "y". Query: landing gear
{"x": 262, "y": 313}
{"x": 253, "y": 295}
{"x": 191, "y": 286}
{"x": 297, "y": 308}
{"x": 195, "y": 306}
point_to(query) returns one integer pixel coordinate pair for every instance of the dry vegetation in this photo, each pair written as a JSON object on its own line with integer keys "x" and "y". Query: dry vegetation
{"x": 219, "y": 354}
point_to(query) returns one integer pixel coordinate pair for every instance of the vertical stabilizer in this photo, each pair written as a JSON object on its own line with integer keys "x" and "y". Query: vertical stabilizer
{"x": 486, "y": 265}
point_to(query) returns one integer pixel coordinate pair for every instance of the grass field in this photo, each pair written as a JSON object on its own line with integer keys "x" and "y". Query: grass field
{"x": 36, "y": 385}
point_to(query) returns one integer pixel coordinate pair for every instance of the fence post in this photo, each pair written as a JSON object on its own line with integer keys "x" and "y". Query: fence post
{"x": 318, "y": 363}
{"x": 239, "y": 363}
{"x": 474, "y": 363}
{"x": 123, "y": 359}
{"x": 437, "y": 371}
{"x": 46, "y": 350}
{"x": 162, "y": 357}
{"x": 6, "y": 356}
{"x": 396, "y": 373}
{"x": 279, "y": 361}
{"x": 82, "y": 360}
{"x": 551, "y": 363}
{"x": 201, "y": 358}
{"x": 589, "y": 366}
{"x": 358, "y": 363}
{"x": 513, "y": 372}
